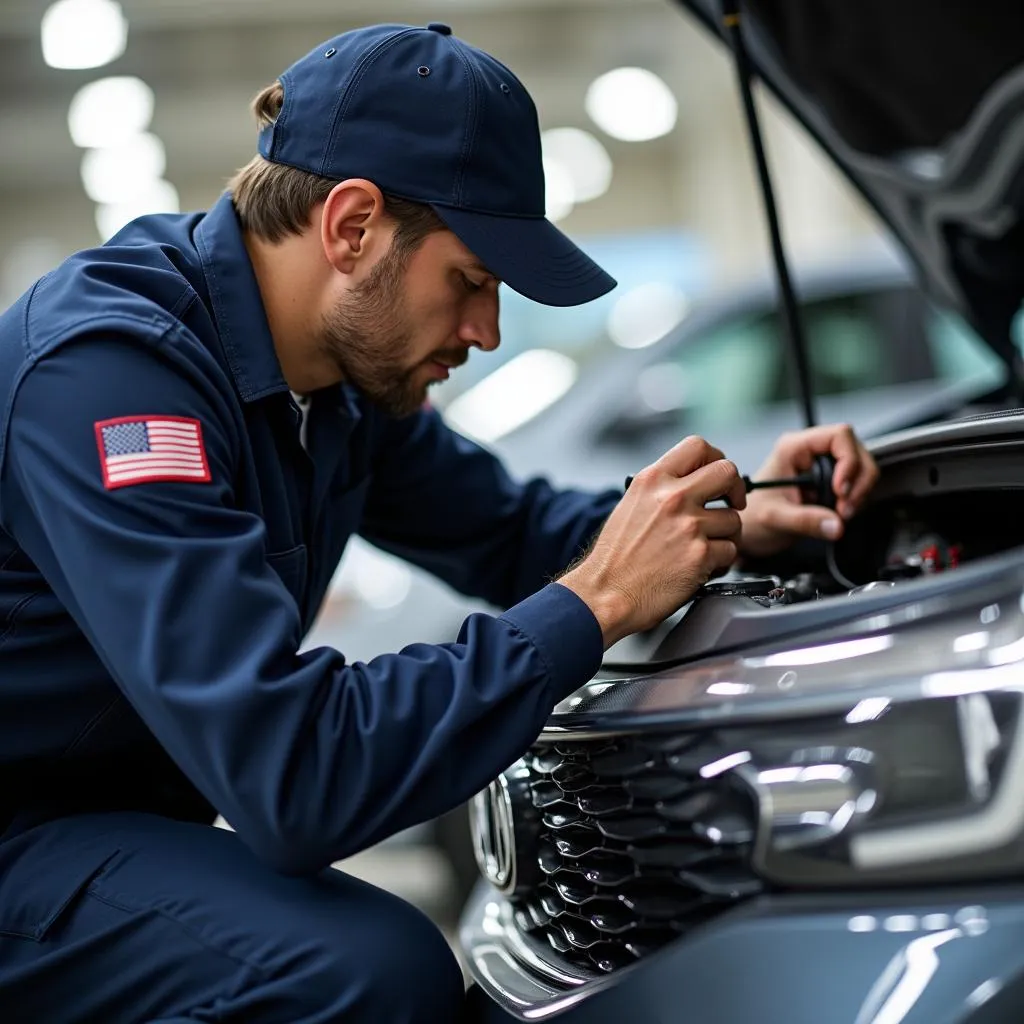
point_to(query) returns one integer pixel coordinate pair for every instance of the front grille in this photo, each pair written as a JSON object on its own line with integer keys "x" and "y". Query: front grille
{"x": 635, "y": 847}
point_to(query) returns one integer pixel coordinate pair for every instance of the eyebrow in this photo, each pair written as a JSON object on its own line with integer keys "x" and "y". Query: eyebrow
{"x": 481, "y": 269}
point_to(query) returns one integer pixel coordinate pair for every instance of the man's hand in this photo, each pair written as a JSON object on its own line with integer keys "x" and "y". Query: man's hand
{"x": 661, "y": 543}
{"x": 774, "y": 517}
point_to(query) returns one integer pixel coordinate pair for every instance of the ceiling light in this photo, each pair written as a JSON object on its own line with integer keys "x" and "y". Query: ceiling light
{"x": 83, "y": 33}
{"x": 109, "y": 111}
{"x": 514, "y": 394}
{"x": 646, "y": 313}
{"x": 558, "y": 190}
{"x": 158, "y": 197}
{"x": 632, "y": 104}
{"x": 583, "y": 157}
{"x": 115, "y": 174}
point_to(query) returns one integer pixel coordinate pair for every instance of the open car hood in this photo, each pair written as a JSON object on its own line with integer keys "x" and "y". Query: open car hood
{"x": 921, "y": 106}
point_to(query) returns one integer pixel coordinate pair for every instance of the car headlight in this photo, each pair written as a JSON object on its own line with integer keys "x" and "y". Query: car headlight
{"x": 914, "y": 791}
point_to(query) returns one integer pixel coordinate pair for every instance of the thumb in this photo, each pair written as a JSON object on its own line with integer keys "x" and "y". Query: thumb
{"x": 805, "y": 520}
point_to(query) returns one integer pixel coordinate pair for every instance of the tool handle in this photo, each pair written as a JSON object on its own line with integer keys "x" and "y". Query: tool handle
{"x": 817, "y": 481}
{"x": 823, "y": 470}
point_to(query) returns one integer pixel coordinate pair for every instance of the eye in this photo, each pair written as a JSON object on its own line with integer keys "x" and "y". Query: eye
{"x": 469, "y": 284}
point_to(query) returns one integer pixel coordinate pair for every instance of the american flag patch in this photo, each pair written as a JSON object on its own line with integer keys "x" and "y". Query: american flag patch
{"x": 145, "y": 449}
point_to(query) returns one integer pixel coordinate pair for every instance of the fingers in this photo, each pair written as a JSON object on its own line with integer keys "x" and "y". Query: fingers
{"x": 719, "y": 479}
{"x": 863, "y": 483}
{"x": 801, "y": 520}
{"x": 691, "y": 453}
{"x": 721, "y": 523}
{"x": 856, "y": 472}
{"x": 720, "y": 555}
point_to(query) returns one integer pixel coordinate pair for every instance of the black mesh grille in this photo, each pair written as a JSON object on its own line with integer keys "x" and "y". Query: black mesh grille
{"x": 635, "y": 847}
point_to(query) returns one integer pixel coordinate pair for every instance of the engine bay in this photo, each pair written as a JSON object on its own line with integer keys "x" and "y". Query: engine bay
{"x": 938, "y": 509}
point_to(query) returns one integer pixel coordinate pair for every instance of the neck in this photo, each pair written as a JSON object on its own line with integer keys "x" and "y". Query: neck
{"x": 290, "y": 294}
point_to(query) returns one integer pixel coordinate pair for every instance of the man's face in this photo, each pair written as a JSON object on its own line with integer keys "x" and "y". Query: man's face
{"x": 412, "y": 321}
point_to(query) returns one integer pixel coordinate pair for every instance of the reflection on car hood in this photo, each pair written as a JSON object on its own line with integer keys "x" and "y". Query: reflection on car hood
{"x": 922, "y": 108}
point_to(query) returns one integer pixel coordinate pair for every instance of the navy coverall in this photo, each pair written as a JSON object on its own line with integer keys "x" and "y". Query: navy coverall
{"x": 165, "y": 542}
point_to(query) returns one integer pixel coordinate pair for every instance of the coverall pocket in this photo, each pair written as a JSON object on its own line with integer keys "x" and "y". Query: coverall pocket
{"x": 290, "y": 565}
{"x": 40, "y": 885}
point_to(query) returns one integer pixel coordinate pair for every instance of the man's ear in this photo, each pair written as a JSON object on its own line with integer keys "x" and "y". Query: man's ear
{"x": 353, "y": 228}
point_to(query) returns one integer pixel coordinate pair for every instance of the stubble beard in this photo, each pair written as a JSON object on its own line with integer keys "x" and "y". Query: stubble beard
{"x": 370, "y": 338}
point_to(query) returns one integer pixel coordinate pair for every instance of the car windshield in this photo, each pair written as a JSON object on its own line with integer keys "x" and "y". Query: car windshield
{"x": 862, "y": 341}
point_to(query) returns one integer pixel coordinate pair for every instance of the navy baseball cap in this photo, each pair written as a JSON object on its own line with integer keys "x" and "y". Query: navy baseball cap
{"x": 427, "y": 117}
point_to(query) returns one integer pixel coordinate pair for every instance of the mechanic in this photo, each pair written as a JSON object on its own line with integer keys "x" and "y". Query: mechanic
{"x": 195, "y": 419}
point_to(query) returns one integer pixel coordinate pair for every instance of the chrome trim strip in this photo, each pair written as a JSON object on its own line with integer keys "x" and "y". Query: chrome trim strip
{"x": 525, "y": 984}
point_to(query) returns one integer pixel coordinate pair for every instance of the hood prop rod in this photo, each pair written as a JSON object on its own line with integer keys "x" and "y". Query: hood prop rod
{"x": 794, "y": 327}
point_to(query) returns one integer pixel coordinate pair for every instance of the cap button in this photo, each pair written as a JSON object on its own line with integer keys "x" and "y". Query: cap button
{"x": 440, "y": 27}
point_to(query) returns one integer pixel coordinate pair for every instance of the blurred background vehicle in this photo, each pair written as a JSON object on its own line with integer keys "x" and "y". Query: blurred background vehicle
{"x": 113, "y": 109}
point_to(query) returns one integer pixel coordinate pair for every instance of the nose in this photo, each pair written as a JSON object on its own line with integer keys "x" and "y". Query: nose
{"x": 479, "y": 325}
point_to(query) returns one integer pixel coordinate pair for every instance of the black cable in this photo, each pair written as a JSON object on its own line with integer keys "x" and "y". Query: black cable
{"x": 798, "y": 342}
{"x": 830, "y": 561}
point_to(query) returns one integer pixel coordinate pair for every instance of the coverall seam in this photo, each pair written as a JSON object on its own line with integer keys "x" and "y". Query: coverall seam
{"x": 12, "y": 620}
{"x": 110, "y": 901}
{"x": 548, "y": 668}
{"x": 49, "y": 346}
{"x": 91, "y": 724}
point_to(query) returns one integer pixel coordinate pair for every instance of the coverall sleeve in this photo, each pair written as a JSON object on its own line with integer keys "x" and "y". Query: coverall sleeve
{"x": 308, "y": 757}
{"x": 476, "y": 528}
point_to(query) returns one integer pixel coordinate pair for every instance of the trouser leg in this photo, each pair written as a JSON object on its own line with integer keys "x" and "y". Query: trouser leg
{"x": 127, "y": 918}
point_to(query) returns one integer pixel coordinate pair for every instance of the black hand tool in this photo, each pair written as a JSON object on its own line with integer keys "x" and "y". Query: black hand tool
{"x": 817, "y": 481}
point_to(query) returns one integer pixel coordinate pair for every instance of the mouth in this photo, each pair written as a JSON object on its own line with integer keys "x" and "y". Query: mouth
{"x": 441, "y": 366}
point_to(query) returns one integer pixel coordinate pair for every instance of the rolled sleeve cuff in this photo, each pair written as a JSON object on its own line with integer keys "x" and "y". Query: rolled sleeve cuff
{"x": 564, "y": 631}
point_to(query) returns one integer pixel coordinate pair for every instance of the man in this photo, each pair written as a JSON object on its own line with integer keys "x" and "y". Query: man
{"x": 170, "y": 519}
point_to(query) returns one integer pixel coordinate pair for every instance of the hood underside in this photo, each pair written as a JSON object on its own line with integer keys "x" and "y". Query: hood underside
{"x": 921, "y": 106}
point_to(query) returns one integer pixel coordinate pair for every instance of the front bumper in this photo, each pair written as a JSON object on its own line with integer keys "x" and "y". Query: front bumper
{"x": 949, "y": 956}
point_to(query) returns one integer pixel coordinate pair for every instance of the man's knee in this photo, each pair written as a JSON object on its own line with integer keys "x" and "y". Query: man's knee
{"x": 404, "y": 971}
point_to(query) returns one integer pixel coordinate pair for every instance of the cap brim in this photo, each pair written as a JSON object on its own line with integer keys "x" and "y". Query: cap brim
{"x": 530, "y": 255}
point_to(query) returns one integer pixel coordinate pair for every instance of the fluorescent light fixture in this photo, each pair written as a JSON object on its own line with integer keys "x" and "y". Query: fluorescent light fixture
{"x": 110, "y": 111}
{"x": 646, "y": 314}
{"x": 83, "y": 33}
{"x": 632, "y": 104}
{"x": 513, "y": 395}
{"x": 117, "y": 174}
{"x": 558, "y": 190}
{"x": 584, "y": 158}
{"x": 157, "y": 197}
{"x": 862, "y": 923}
